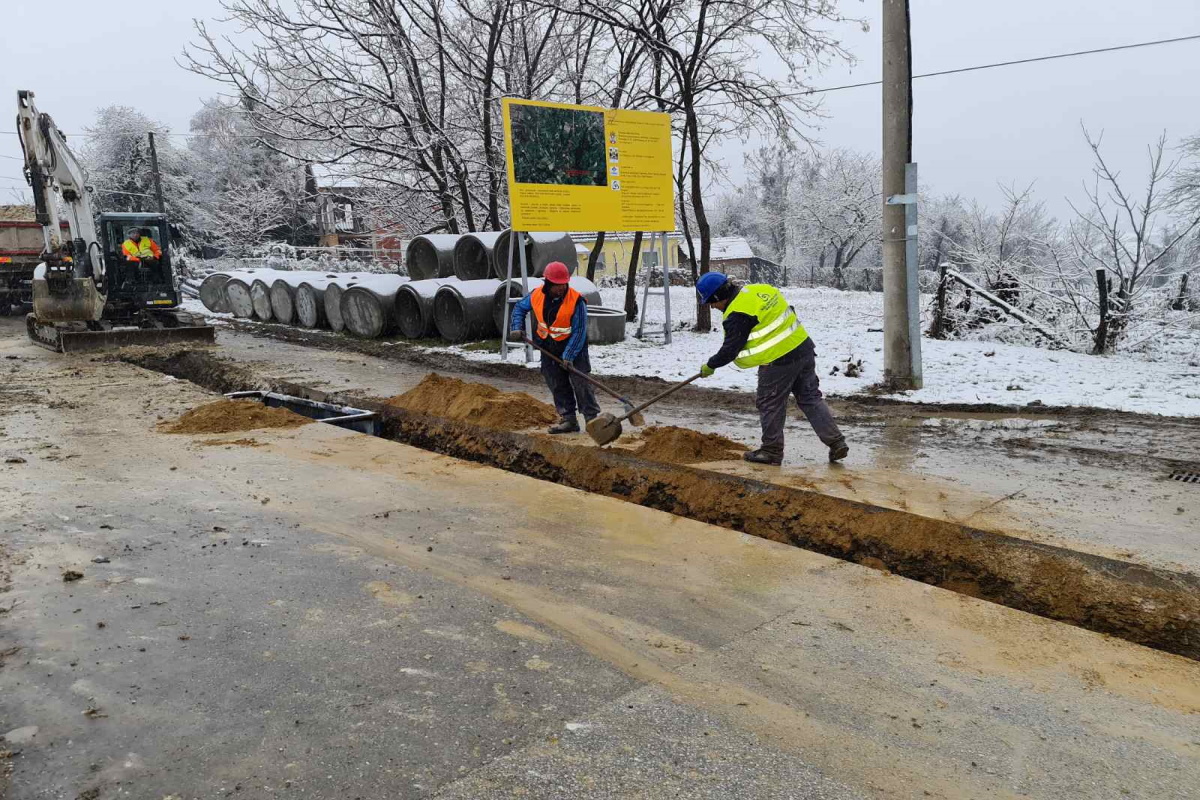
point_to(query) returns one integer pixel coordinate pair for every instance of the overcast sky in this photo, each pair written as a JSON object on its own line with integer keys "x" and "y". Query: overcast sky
{"x": 1015, "y": 124}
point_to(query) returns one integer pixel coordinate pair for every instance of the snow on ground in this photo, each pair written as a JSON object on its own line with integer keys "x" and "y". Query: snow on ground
{"x": 844, "y": 326}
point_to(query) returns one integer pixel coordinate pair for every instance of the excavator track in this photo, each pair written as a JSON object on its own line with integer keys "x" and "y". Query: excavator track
{"x": 68, "y": 338}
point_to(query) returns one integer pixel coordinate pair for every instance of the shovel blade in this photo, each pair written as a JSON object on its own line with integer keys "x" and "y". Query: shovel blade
{"x": 604, "y": 428}
{"x": 635, "y": 419}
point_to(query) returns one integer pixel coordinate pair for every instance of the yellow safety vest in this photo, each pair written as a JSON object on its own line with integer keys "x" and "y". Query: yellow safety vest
{"x": 778, "y": 331}
{"x": 143, "y": 248}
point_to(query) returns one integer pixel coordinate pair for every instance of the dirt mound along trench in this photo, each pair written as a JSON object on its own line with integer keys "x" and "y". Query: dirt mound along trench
{"x": 682, "y": 446}
{"x": 1149, "y": 606}
{"x": 477, "y": 403}
{"x": 228, "y": 416}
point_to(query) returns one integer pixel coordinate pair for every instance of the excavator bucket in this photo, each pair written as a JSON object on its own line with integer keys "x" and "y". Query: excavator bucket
{"x": 85, "y": 341}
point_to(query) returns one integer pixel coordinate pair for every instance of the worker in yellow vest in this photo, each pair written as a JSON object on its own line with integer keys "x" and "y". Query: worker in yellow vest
{"x": 762, "y": 330}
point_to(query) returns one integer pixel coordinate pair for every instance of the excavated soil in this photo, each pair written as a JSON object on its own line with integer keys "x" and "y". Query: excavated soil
{"x": 476, "y": 403}
{"x": 228, "y": 416}
{"x": 681, "y": 446}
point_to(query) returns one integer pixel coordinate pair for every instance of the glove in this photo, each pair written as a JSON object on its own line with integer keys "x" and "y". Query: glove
{"x": 516, "y": 336}
{"x": 706, "y": 370}
{"x": 569, "y": 362}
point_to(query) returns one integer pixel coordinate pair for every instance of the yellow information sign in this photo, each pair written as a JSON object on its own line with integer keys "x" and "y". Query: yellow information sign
{"x": 582, "y": 168}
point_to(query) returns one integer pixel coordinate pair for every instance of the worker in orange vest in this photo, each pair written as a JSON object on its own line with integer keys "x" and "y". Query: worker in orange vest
{"x": 560, "y": 327}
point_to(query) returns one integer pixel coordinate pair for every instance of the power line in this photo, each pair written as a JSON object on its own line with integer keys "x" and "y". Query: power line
{"x": 824, "y": 90}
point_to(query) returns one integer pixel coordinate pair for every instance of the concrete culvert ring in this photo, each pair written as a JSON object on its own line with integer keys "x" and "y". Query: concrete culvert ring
{"x": 363, "y": 313}
{"x": 310, "y": 306}
{"x": 431, "y": 256}
{"x": 605, "y": 325}
{"x": 283, "y": 304}
{"x": 462, "y": 311}
{"x": 333, "y": 307}
{"x": 238, "y": 300}
{"x": 260, "y": 298}
{"x": 212, "y": 292}
{"x": 473, "y": 256}
{"x": 414, "y": 307}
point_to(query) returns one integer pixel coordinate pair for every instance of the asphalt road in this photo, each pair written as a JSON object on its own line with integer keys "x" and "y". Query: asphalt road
{"x": 328, "y": 615}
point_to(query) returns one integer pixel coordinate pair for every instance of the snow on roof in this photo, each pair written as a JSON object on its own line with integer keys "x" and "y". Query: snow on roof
{"x": 724, "y": 248}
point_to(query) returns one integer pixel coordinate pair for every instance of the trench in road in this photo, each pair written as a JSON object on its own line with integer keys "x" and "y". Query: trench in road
{"x": 1154, "y": 607}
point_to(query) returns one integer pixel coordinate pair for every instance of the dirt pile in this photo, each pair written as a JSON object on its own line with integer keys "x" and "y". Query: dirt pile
{"x": 476, "y": 403}
{"x": 228, "y": 416}
{"x": 681, "y": 446}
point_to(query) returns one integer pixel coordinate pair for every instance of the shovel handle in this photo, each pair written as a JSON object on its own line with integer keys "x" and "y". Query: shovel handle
{"x": 583, "y": 375}
{"x": 658, "y": 397}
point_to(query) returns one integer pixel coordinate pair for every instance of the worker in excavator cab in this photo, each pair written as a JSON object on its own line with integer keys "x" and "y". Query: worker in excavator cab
{"x": 763, "y": 332}
{"x": 139, "y": 247}
{"x": 560, "y": 327}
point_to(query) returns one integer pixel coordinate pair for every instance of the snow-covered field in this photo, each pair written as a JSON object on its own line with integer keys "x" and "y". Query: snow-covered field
{"x": 841, "y": 324}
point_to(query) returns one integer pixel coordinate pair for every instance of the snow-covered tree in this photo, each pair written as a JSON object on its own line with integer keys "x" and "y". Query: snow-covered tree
{"x": 117, "y": 158}
{"x": 836, "y": 210}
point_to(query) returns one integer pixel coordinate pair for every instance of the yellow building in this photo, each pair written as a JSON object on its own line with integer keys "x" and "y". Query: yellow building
{"x": 618, "y": 247}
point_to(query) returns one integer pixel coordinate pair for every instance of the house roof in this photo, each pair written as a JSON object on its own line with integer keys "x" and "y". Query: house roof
{"x": 724, "y": 248}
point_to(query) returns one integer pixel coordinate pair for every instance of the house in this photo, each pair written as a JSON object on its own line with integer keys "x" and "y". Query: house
{"x": 346, "y": 222}
{"x": 617, "y": 250}
{"x": 729, "y": 254}
{"x": 733, "y": 256}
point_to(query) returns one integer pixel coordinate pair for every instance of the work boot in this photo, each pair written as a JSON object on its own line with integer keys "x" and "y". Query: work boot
{"x": 838, "y": 450}
{"x": 763, "y": 457}
{"x": 565, "y": 425}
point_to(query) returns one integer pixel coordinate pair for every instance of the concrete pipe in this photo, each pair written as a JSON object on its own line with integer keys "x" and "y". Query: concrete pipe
{"x": 333, "y": 300}
{"x": 414, "y": 307}
{"x": 310, "y": 301}
{"x": 540, "y": 250}
{"x": 237, "y": 297}
{"x": 431, "y": 256}
{"x": 474, "y": 255}
{"x": 260, "y": 297}
{"x": 589, "y": 290}
{"x": 605, "y": 325}
{"x": 369, "y": 308}
{"x": 462, "y": 311}
{"x": 212, "y": 292}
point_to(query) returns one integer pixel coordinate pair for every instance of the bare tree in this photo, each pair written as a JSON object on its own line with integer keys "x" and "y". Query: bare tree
{"x": 706, "y": 51}
{"x": 841, "y": 205}
{"x": 1114, "y": 232}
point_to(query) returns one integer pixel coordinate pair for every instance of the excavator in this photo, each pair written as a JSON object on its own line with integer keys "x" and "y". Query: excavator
{"x": 87, "y": 293}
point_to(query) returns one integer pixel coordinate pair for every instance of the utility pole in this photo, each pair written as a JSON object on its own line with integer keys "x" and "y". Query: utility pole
{"x": 162, "y": 207}
{"x": 901, "y": 312}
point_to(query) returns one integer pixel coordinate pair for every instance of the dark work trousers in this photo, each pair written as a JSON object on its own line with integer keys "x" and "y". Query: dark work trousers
{"x": 794, "y": 374}
{"x": 571, "y": 392}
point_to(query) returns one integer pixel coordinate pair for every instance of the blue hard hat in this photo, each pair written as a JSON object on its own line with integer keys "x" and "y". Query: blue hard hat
{"x": 708, "y": 285}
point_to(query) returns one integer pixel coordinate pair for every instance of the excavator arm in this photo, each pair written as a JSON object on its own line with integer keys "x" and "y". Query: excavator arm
{"x": 69, "y": 285}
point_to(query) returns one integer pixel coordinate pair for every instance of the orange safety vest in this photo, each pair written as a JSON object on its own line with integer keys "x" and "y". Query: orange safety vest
{"x": 145, "y": 248}
{"x": 560, "y": 329}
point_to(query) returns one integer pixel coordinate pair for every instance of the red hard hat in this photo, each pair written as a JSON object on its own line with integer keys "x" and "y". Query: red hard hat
{"x": 556, "y": 272}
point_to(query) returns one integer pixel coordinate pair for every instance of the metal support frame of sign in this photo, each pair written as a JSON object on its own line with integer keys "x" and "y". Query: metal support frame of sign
{"x": 516, "y": 242}
{"x": 666, "y": 290}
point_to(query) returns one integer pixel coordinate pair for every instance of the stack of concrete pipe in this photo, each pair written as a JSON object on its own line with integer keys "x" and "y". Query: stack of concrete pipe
{"x": 369, "y": 306}
{"x": 500, "y": 310}
{"x": 373, "y": 305}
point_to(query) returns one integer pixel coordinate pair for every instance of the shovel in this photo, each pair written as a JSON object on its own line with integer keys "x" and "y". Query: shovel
{"x": 632, "y": 414}
{"x": 606, "y": 428}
